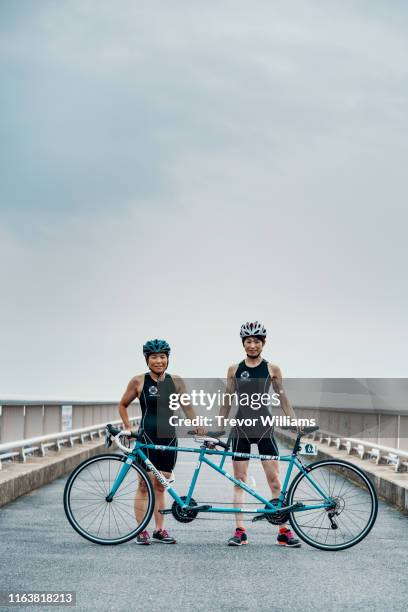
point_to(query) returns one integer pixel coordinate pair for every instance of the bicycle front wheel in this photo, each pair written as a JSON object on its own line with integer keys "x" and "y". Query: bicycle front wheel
{"x": 101, "y": 521}
{"x": 355, "y": 505}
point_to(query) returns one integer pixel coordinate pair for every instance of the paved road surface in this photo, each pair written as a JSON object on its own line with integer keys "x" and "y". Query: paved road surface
{"x": 40, "y": 551}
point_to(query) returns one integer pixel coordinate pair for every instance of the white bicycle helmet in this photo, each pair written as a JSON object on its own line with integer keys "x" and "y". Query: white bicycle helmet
{"x": 252, "y": 329}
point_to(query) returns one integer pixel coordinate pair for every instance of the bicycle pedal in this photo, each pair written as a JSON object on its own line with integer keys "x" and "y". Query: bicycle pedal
{"x": 260, "y": 517}
{"x": 165, "y": 511}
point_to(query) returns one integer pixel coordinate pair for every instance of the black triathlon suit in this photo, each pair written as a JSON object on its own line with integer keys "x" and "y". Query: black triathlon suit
{"x": 250, "y": 381}
{"x": 154, "y": 402}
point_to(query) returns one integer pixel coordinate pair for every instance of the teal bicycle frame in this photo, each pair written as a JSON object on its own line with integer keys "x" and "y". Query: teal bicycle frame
{"x": 270, "y": 507}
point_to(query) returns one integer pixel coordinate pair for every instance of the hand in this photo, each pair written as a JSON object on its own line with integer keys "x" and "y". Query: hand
{"x": 128, "y": 431}
{"x": 200, "y": 431}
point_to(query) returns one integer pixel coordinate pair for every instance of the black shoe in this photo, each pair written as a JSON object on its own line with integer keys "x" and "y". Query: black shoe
{"x": 286, "y": 538}
{"x": 239, "y": 538}
{"x": 163, "y": 537}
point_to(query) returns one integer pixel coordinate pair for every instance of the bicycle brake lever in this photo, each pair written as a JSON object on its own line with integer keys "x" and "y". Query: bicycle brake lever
{"x": 108, "y": 440}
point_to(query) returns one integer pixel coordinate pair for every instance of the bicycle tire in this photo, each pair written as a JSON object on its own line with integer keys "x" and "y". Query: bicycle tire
{"x": 70, "y": 513}
{"x": 361, "y": 478}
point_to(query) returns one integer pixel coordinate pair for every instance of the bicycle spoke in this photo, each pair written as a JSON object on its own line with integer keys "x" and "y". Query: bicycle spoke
{"x": 120, "y": 494}
{"x": 89, "y": 492}
{"x": 114, "y": 516}
{"x": 102, "y": 480}
{"x": 98, "y": 483}
{"x": 87, "y": 513}
{"x": 93, "y": 516}
{"x": 122, "y": 488}
{"x": 314, "y": 521}
{"x": 87, "y": 506}
{"x": 361, "y": 511}
{"x": 126, "y": 512}
{"x": 100, "y": 524}
{"x": 351, "y": 515}
{"x": 97, "y": 515}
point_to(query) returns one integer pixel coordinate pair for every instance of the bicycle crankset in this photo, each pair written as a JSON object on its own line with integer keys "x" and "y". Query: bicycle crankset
{"x": 277, "y": 518}
{"x": 184, "y": 515}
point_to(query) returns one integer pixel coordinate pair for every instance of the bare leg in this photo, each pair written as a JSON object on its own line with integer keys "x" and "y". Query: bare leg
{"x": 160, "y": 494}
{"x": 141, "y": 499}
{"x": 271, "y": 469}
{"x": 240, "y": 473}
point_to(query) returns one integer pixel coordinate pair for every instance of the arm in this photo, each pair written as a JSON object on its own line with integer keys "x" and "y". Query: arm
{"x": 277, "y": 383}
{"x": 230, "y": 389}
{"x": 131, "y": 393}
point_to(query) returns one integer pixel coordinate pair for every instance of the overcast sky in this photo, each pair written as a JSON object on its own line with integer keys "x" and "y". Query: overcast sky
{"x": 173, "y": 169}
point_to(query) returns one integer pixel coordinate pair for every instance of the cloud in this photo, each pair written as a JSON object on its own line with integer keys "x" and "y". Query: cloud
{"x": 173, "y": 170}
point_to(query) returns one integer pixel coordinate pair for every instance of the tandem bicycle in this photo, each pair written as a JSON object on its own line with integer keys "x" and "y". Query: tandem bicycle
{"x": 331, "y": 504}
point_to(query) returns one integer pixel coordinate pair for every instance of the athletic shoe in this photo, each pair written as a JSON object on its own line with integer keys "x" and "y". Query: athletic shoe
{"x": 287, "y": 538}
{"x": 162, "y": 536}
{"x": 143, "y": 537}
{"x": 239, "y": 538}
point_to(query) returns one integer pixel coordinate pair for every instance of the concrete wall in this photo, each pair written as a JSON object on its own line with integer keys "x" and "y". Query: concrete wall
{"x": 20, "y": 421}
{"x": 386, "y": 429}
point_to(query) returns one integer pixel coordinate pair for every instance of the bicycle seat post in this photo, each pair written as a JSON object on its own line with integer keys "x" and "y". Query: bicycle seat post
{"x": 297, "y": 447}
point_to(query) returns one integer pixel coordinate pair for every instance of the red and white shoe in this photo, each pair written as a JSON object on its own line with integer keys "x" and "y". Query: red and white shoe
{"x": 286, "y": 538}
{"x": 239, "y": 538}
{"x": 143, "y": 538}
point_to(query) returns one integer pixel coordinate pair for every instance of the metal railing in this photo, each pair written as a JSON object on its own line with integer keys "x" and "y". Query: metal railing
{"x": 372, "y": 410}
{"x": 26, "y": 419}
{"x": 365, "y": 449}
{"x": 366, "y": 417}
{"x": 21, "y": 449}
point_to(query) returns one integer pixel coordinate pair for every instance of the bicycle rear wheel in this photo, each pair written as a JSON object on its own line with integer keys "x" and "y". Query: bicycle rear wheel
{"x": 355, "y": 510}
{"x": 101, "y": 521}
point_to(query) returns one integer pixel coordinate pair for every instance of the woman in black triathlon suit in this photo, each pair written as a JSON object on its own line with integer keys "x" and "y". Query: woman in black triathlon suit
{"x": 153, "y": 389}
